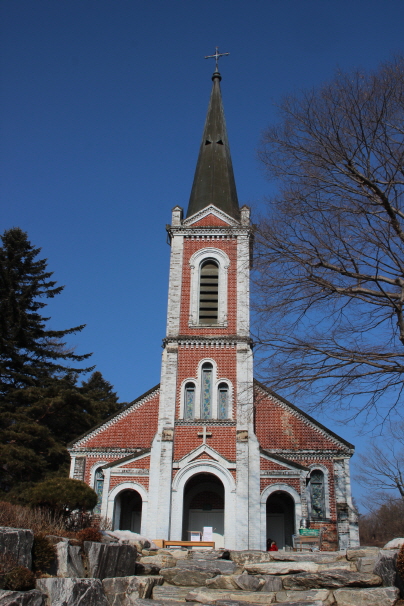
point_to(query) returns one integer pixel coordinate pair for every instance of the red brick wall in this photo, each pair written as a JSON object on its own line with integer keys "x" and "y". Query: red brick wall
{"x": 265, "y": 464}
{"x": 135, "y": 430}
{"x": 277, "y": 427}
{"x": 223, "y": 440}
{"x": 293, "y": 482}
{"x": 210, "y": 220}
{"x": 138, "y": 464}
{"x": 229, "y": 246}
{"x": 189, "y": 358}
{"x": 115, "y": 481}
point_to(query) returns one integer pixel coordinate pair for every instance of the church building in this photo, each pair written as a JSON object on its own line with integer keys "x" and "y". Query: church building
{"x": 209, "y": 446}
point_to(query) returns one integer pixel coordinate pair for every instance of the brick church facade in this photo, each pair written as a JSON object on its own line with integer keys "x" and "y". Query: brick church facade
{"x": 210, "y": 446}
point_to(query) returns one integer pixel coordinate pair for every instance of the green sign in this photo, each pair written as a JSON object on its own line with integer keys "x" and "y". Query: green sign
{"x": 309, "y": 532}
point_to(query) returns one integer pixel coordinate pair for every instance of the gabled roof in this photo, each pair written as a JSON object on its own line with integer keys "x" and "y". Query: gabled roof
{"x": 214, "y": 178}
{"x": 282, "y": 460}
{"x": 133, "y": 456}
{"x": 123, "y": 411}
{"x": 304, "y": 414}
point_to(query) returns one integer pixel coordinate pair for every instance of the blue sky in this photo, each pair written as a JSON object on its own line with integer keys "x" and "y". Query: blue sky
{"x": 102, "y": 109}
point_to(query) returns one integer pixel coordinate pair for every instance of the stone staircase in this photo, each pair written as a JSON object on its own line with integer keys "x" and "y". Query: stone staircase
{"x": 357, "y": 577}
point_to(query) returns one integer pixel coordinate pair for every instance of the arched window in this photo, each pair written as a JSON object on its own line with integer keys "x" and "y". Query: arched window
{"x": 223, "y": 401}
{"x": 189, "y": 401}
{"x": 98, "y": 487}
{"x": 209, "y": 293}
{"x": 206, "y": 391}
{"x": 317, "y": 494}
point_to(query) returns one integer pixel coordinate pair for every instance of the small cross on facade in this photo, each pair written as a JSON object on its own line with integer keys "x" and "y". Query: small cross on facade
{"x": 216, "y": 56}
{"x": 204, "y": 434}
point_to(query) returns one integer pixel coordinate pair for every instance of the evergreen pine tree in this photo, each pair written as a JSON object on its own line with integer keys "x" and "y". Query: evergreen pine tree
{"x": 100, "y": 391}
{"x": 29, "y": 353}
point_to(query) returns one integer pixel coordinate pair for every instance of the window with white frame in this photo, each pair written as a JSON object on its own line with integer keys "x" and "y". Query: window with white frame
{"x": 209, "y": 292}
{"x": 206, "y": 396}
{"x": 206, "y": 391}
{"x": 222, "y": 401}
{"x": 98, "y": 487}
{"x": 189, "y": 400}
{"x": 317, "y": 494}
{"x": 208, "y": 296}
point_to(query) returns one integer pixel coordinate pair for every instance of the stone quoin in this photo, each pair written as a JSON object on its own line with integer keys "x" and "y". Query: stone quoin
{"x": 210, "y": 447}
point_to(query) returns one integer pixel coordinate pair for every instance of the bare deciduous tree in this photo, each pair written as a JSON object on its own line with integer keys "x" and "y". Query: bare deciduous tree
{"x": 381, "y": 468}
{"x": 330, "y": 253}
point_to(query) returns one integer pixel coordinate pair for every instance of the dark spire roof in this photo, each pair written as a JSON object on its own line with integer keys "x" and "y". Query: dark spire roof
{"x": 214, "y": 179}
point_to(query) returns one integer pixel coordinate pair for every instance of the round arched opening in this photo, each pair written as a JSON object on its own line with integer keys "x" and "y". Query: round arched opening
{"x": 128, "y": 511}
{"x": 280, "y": 518}
{"x": 204, "y": 509}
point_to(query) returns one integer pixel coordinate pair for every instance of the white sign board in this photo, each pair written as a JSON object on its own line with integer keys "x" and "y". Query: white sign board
{"x": 195, "y": 536}
{"x": 207, "y": 533}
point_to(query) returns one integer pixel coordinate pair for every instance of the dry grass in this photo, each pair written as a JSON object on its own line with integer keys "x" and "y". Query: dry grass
{"x": 38, "y": 520}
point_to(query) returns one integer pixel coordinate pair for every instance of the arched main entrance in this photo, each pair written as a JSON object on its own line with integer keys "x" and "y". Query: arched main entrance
{"x": 280, "y": 514}
{"x": 128, "y": 511}
{"x": 204, "y": 506}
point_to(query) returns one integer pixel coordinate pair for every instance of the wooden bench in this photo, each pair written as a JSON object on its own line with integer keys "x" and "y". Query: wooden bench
{"x": 301, "y": 542}
{"x": 188, "y": 544}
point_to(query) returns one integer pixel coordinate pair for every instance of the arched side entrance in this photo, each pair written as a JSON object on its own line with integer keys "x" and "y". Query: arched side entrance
{"x": 281, "y": 512}
{"x": 229, "y": 488}
{"x": 128, "y": 511}
{"x": 127, "y": 507}
{"x": 204, "y": 506}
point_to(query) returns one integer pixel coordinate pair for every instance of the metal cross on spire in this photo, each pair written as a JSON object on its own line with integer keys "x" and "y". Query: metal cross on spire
{"x": 216, "y": 56}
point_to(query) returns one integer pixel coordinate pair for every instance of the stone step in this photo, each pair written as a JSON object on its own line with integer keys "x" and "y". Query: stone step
{"x": 169, "y": 593}
{"x": 205, "y": 595}
{"x": 331, "y": 579}
{"x": 296, "y": 567}
{"x": 222, "y": 566}
{"x": 379, "y": 596}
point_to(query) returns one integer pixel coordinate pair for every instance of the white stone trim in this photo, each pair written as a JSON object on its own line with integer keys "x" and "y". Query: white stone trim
{"x": 195, "y": 262}
{"x": 264, "y": 497}
{"x": 175, "y": 286}
{"x": 243, "y": 285}
{"x": 326, "y": 473}
{"x": 113, "y": 513}
{"x": 177, "y": 508}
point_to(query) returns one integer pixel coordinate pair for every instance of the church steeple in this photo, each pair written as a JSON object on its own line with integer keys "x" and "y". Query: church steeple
{"x": 214, "y": 179}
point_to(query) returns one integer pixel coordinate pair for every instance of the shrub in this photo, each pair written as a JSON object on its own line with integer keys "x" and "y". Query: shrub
{"x": 43, "y": 553}
{"x": 400, "y": 563}
{"x": 19, "y": 579}
{"x": 89, "y": 534}
{"x": 62, "y": 495}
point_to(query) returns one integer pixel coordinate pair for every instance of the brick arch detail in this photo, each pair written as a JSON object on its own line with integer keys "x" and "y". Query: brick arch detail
{"x": 179, "y": 482}
{"x": 129, "y": 486}
{"x": 266, "y": 493}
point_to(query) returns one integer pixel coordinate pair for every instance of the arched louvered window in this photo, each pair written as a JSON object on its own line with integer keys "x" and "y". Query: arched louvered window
{"x": 206, "y": 390}
{"x": 223, "y": 401}
{"x": 98, "y": 487}
{"x": 189, "y": 401}
{"x": 209, "y": 293}
{"x": 317, "y": 494}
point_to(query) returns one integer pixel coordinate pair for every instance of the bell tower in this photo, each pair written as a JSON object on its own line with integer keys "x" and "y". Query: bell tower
{"x": 205, "y": 440}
